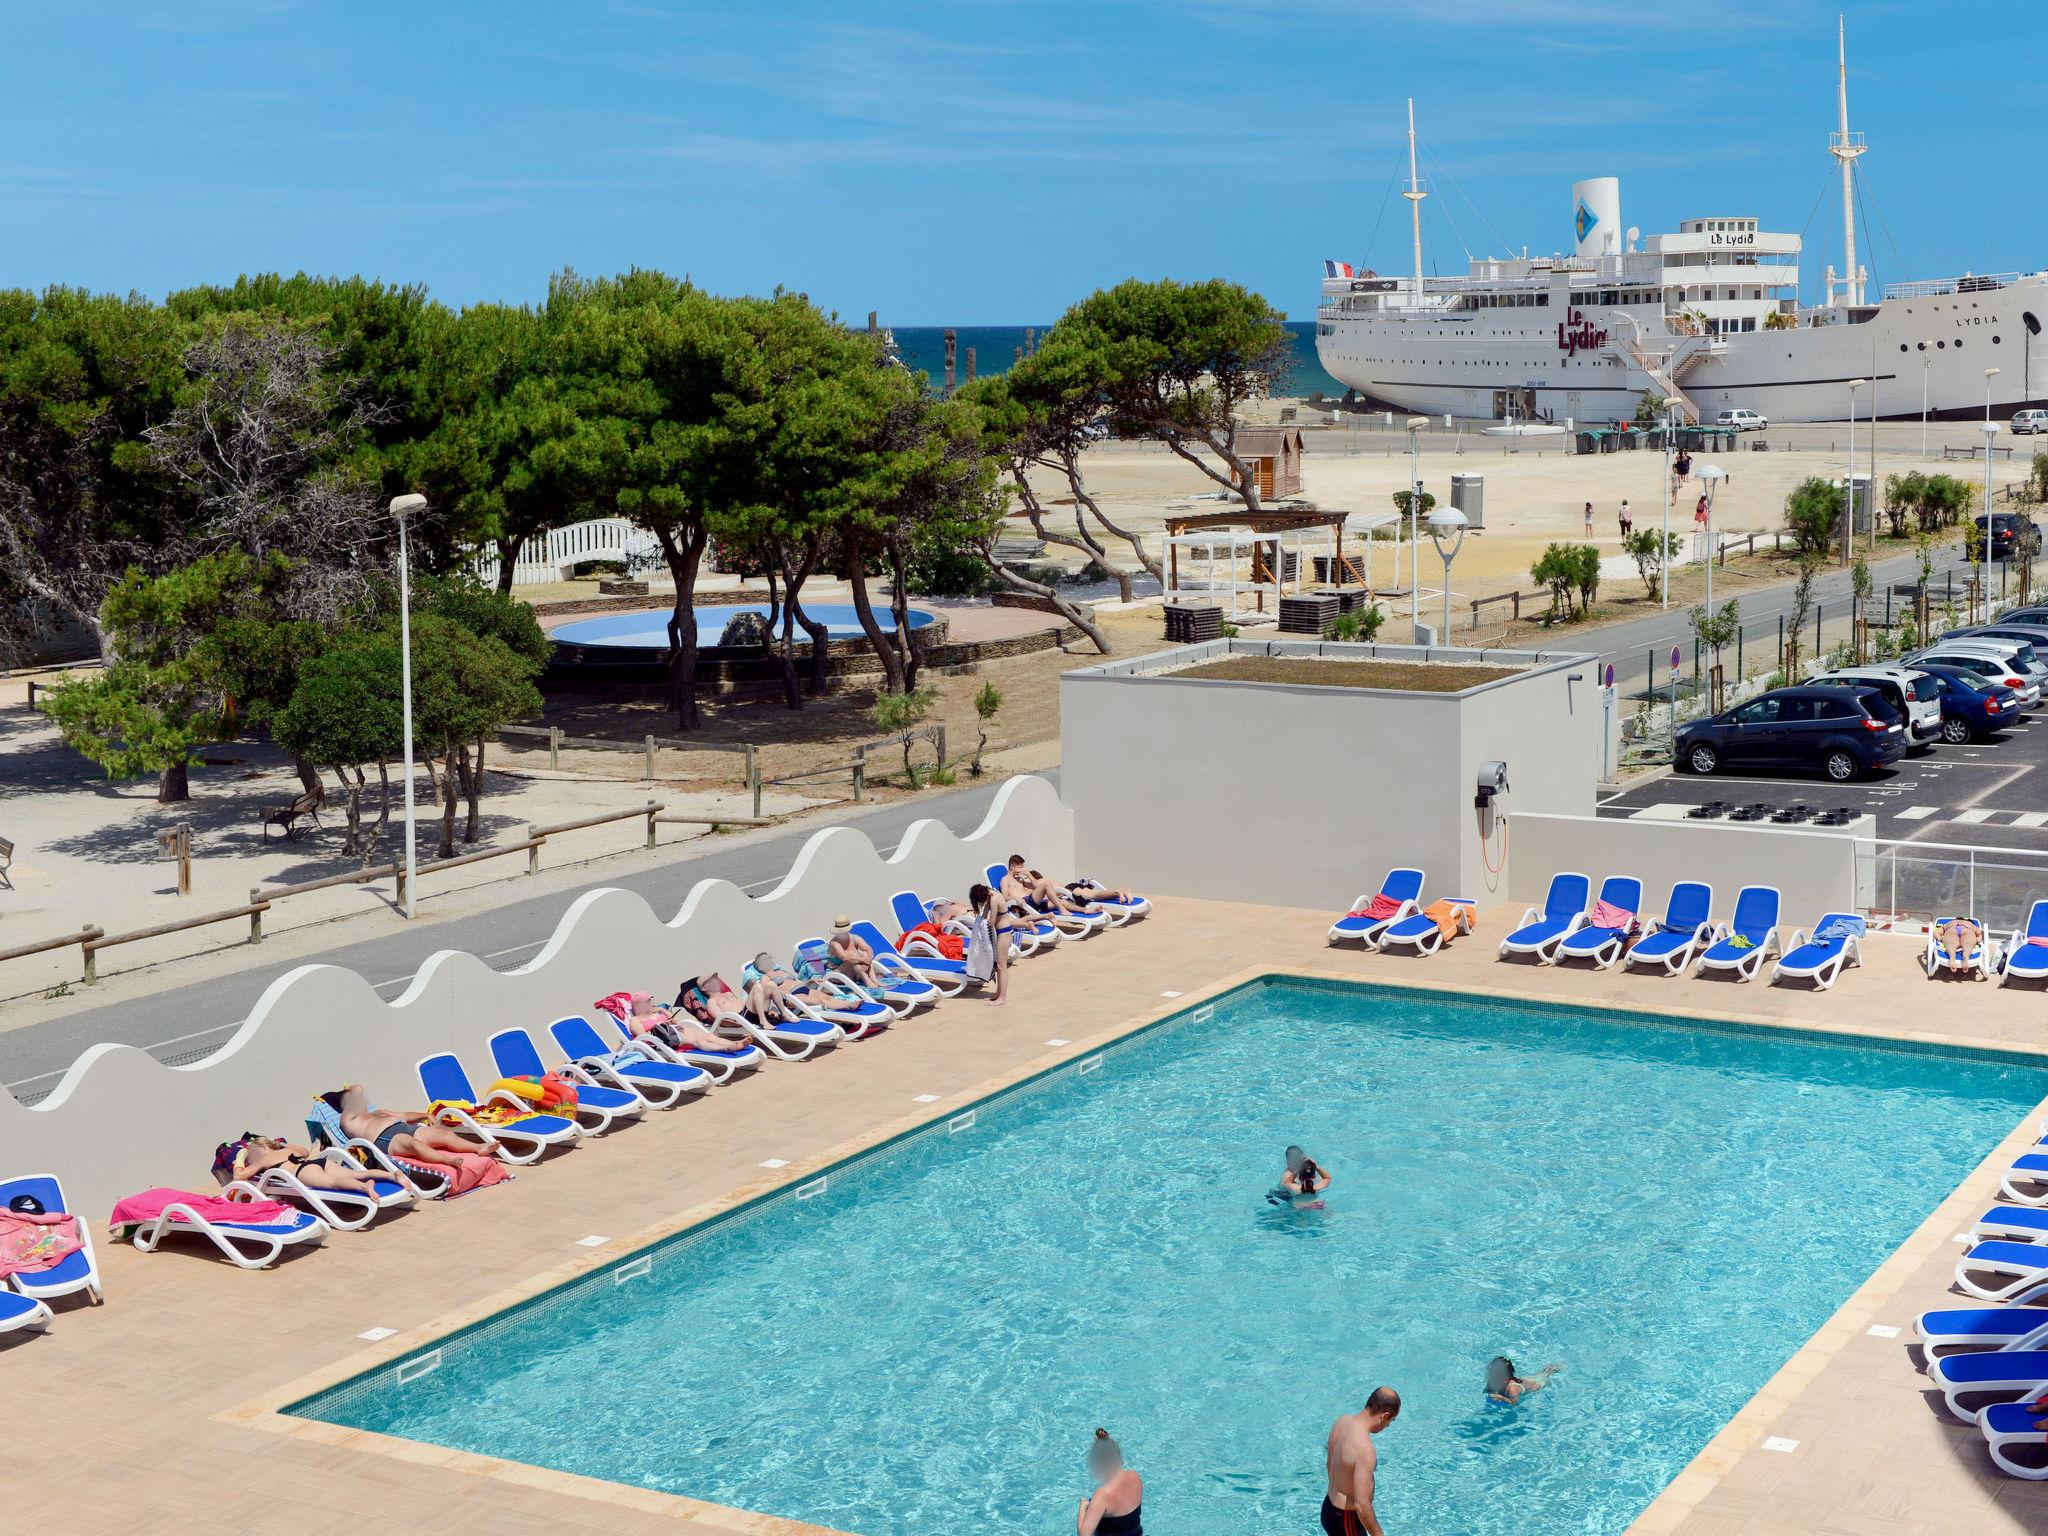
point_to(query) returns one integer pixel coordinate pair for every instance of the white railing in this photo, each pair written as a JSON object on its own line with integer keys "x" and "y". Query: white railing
{"x": 554, "y": 556}
{"x": 1935, "y": 287}
{"x": 1911, "y": 883}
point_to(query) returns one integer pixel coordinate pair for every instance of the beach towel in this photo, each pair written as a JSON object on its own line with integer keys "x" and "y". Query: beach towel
{"x": 619, "y": 1005}
{"x": 950, "y": 945}
{"x": 981, "y": 951}
{"x": 1840, "y": 928}
{"x": 150, "y": 1204}
{"x": 33, "y": 1241}
{"x": 1451, "y": 917}
{"x": 1378, "y": 909}
{"x": 1606, "y": 914}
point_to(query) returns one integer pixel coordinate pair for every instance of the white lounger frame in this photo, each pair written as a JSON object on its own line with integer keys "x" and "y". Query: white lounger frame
{"x": 226, "y": 1236}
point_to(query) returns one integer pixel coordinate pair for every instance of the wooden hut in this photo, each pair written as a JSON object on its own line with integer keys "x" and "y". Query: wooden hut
{"x": 1274, "y": 455}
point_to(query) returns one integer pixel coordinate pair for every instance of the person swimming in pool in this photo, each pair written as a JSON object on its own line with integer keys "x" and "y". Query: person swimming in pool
{"x": 1504, "y": 1386}
{"x": 1304, "y": 1178}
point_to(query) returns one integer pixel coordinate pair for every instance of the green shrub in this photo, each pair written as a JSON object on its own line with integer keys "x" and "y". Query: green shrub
{"x": 947, "y": 573}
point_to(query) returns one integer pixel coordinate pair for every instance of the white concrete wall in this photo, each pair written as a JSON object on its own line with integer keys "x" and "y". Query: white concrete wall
{"x": 119, "y": 1121}
{"x": 1306, "y": 796}
{"x": 1815, "y": 870}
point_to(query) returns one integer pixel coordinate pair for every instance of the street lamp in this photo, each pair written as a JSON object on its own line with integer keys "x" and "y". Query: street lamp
{"x": 1415, "y": 425}
{"x": 1849, "y": 485}
{"x": 403, "y": 507}
{"x": 1670, "y": 490}
{"x": 1924, "y": 359}
{"x": 1448, "y": 523}
{"x": 1712, "y": 475}
{"x": 1990, "y": 431}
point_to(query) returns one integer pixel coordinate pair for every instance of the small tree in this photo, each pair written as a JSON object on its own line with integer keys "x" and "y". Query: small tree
{"x": 1557, "y": 570}
{"x": 345, "y": 712}
{"x": 988, "y": 701}
{"x": 1715, "y": 628}
{"x": 465, "y": 686}
{"x": 898, "y": 714}
{"x": 1813, "y": 511}
{"x": 1802, "y": 609}
{"x": 1370, "y": 618}
{"x": 1585, "y": 575}
{"x": 1653, "y": 551}
{"x": 1649, "y": 408}
{"x": 1427, "y": 503}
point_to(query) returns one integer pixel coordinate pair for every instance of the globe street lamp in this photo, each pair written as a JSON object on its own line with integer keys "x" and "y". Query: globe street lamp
{"x": 1448, "y": 523}
{"x": 403, "y": 507}
{"x": 1990, "y": 431}
{"x": 1712, "y": 475}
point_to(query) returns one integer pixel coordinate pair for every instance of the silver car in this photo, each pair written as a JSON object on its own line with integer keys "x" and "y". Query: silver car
{"x": 1986, "y": 663}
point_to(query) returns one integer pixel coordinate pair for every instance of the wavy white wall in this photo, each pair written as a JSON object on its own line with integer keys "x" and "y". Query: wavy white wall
{"x": 121, "y": 1121}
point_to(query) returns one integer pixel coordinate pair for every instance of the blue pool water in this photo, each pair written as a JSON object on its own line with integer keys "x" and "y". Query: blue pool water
{"x": 925, "y": 1347}
{"x": 649, "y": 630}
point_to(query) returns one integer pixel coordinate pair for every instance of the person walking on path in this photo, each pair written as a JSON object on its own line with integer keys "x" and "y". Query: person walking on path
{"x": 1628, "y": 520}
{"x": 1589, "y": 519}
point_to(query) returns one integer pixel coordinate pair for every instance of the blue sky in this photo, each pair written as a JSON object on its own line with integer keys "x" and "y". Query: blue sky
{"x": 974, "y": 161}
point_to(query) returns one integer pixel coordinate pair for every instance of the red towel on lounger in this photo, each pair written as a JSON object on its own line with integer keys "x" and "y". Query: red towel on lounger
{"x": 951, "y": 945}
{"x": 1378, "y": 909}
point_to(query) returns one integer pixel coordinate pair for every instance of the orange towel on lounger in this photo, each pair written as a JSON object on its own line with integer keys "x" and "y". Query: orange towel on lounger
{"x": 1451, "y": 918}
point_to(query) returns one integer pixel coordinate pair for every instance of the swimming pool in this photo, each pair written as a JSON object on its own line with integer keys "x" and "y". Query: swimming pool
{"x": 924, "y": 1344}
{"x": 648, "y": 630}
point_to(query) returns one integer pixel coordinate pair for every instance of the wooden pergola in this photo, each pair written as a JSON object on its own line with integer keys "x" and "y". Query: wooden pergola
{"x": 1266, "y": 531}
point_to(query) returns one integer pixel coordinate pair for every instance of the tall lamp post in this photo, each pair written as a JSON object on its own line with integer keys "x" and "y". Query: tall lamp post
{"x": 1923, "y": 399}
{"x": 1448, "y": 523}
{"x": 1712, "y": 475}
{"x": 1415, "y": 426}
{"x": 1849, "y": 485}
{"x": 403, "y": 507}
{"x": 1670, "y": 490}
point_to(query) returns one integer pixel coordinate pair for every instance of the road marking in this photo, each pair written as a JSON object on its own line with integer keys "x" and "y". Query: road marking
{"x": 2031, "y": 819}
{"x": 1971, "y": 818}
{"x": 1918, "y": 812}
{"x": 516, "y": 949}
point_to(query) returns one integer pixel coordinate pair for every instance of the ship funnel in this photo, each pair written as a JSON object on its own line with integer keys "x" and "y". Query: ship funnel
{"x": 1596, "y": 216}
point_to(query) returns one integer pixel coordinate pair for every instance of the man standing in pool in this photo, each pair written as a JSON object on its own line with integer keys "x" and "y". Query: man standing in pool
{"x": 1304, "y": 1177}
{"x": 1353, "y": 1463}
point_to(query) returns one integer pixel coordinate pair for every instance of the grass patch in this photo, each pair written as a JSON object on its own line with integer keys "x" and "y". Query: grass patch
{"x": 1321, "y": 672}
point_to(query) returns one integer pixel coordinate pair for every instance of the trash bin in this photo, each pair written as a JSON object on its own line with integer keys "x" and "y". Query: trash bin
{"x": 1468, "y": 495}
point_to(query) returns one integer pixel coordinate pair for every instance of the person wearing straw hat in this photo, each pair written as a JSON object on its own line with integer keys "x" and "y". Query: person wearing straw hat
{"x": 850, "y": 953}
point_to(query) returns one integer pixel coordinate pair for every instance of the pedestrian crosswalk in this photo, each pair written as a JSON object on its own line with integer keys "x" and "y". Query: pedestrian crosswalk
{"x": 1918, "y": 812}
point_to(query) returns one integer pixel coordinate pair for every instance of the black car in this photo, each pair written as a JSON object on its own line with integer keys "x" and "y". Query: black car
{"x": 2009, "y": 532}
{"x": 1843, "y": 732}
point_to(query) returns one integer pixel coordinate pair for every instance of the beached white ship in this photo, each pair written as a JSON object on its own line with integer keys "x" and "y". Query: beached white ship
{"x": 1708, "y": 318}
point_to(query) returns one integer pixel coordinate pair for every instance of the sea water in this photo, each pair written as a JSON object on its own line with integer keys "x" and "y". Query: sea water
{"x": 926, "y": 1345}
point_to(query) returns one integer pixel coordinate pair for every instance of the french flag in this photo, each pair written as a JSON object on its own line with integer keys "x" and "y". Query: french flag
{"x": 1336, "y": 268}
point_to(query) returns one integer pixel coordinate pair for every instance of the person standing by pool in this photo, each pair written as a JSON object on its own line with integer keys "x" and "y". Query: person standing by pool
{"x": 1504, "y": 1386}
{"x": 1112, "y": 1510}
{"x": 1353, "y": 1463}
{"x": 988, "y": 942}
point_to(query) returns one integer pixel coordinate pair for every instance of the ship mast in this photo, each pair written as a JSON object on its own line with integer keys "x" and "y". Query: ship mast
{"x": 1845, "y": 147}
{"x": 1415, "y": 195}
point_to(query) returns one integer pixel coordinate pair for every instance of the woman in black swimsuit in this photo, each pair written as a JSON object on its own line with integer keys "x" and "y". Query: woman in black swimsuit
{"x": 250, "y": 1155}
{"x": 1112, "y": 1510}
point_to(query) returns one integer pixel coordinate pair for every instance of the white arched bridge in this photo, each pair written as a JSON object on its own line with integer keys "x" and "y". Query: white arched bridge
{"x": 555, "y": 555}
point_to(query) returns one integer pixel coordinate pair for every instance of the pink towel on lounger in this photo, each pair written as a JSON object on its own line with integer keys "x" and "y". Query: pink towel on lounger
{"x": 1607, "y": 915}
{"x": 150, "y": 1204}
{"x": 1378, "y": 909}
{"x": 34, "y": 1241}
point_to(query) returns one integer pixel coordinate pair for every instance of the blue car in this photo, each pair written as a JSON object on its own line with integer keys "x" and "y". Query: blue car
{"x": 1971, "y": 706}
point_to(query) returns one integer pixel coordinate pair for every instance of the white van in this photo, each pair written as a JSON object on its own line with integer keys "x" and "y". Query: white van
{"x": 2030, "y": 421}
{"x": 1741, "y": 421}
{"x": 1911, "y": 693}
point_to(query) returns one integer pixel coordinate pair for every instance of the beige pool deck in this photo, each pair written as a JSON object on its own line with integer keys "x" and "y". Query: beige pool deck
{"x": 157, "y": 1411}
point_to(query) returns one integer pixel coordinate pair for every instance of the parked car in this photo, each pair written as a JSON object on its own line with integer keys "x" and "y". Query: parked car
{"x": 2030, "y": 421}
{"x": 2010, "y": 532}
{"x": 1844, "y": 732}
{"x": 2025, "y": 694}
{"x": 2020, "y": 655}
{"x": 1741, "y": 421}
{"x": 1912, "y": 693}
{"x": 1972, "y": 707}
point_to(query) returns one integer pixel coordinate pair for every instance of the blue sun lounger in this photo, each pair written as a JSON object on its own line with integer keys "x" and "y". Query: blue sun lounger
{"x": 523, "y": 1141}
{"x": 632, "y": 1068}
{"x": 2027, "y": 1179}
{"x": 721, "y": 1065}
{"x": 909, "y": 909}
{"x": 1687, "y": 923}
{"x": 1979, "y": 1327}
{"x": 244, "y": 1244}
{"x": 1420, "y": 931}
{"x": 2010, "y": 1372}
{"x": 79, "y": 1271}
{"x": 345, "y": 1210}
{"x": 1837, "y": 941}
{"x": 838, "y": 997}
{"x": 1980, "y": 957}
{"x": 2023, "y": 959}
{"x": 1602, "y": 946}
{"x": 2001, "y": 1271}
{"x": 1402, "y": 886}
{"x": 2007, "y": 1426}
{"x": 1563, "y": 911}
{"x": 949, "y": 977}
{"x": 1743, "y": 945}
{"x": 19, "y": 1311}
{"x": 599, "y": 1106}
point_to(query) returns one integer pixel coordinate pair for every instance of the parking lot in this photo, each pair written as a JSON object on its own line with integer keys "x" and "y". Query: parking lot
{"x": 1988, "y": 794}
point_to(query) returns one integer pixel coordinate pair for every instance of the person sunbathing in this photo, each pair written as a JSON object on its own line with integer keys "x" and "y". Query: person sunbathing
{"x": 250, "y": 1156}
{"x": 679, "y": 1031}
{"x": 1956, "y": 940}
{"x": 772, "y": 989}
{"x": 1084, "y": 889}
{"x": 1027, "y": 888}
{"x": 851, "y": 954}
{"x": 411, "y": 1136}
